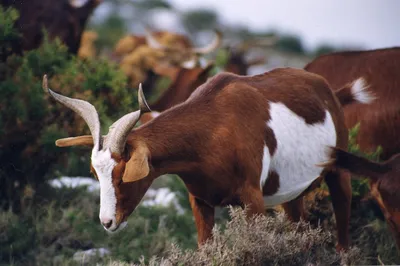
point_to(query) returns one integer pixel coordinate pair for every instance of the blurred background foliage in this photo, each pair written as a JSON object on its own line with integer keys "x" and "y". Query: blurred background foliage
{"x": 30, "y": 121}
{"x": 43, "y": 225}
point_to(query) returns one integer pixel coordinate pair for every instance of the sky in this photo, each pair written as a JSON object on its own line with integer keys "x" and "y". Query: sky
{"x": 371, "y": 24}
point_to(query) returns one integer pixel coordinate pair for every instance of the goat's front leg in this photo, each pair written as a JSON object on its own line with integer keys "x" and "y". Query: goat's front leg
{"x": 204, "y": 218}
{"x": 339, "y": 184}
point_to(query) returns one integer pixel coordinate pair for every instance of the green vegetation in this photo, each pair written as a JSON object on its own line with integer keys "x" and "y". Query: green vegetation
{"x": 30, "y": 122}
{"x": 50, "y": 235}
{"x": 361, "y": 186}
{"x": 41, "y": 225}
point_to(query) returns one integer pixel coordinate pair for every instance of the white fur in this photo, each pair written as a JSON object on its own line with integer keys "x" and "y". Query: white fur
{"x": 154, "y": 114}
{"x": 266, "y": 160}
{"x": 118, "y": 229}
{"x": 189, "y": 64}
{"x": 78, "y": 3}
{"x": 104, "y": 164}
{"x": 360, "y": 93}
{"x": 300, "y": 147}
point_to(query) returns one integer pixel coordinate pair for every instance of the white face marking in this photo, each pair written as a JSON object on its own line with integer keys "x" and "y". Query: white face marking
{"x": 300, "y": 147}
{"x": 104, "y": 164}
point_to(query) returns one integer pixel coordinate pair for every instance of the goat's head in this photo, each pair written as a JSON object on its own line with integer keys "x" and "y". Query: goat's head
{"x": 238, "y": 61}
{"x": 183, "y": 57}
{"x": 121, "y": 169}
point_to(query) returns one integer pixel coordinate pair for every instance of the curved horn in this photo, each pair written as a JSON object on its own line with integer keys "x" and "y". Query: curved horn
{"x": 82, "y": 108}
{"x": 120, "y": 130}
{"x": 151, "y": 41}
{"x": 211, "y": 46}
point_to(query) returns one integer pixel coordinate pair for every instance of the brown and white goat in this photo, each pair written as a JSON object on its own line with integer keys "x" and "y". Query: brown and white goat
{"x": 238, "y": 140}
{"x": 383, "y": 179}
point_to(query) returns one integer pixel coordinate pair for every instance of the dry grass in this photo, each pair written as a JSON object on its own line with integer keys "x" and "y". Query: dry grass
{"x": 261, "y": 241}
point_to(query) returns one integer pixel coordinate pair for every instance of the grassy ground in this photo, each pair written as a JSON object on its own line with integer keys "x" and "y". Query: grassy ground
{"x": 52, "y": 233}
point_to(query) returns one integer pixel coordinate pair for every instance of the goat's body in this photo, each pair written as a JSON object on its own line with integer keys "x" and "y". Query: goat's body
{"x": 257, "y": 139}
{"x": 291, "y": 135}
{"x": 237, "y": 140}
{"x": 380, "y": 120}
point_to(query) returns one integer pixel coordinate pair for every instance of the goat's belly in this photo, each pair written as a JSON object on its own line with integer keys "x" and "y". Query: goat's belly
{"x": 300, "y": 146}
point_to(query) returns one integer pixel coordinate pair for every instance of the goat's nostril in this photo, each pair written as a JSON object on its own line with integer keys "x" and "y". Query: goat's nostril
{"x": 106, "y": 223}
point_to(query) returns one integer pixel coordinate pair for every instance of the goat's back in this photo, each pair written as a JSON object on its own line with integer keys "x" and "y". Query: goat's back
{"x": 245, "y": 100}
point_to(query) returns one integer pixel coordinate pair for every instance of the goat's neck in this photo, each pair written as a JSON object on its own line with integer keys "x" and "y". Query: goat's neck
{"x": 172, "y": 146}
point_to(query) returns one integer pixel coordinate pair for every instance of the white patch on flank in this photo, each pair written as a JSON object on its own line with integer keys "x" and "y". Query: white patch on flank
{"x": 360, "y": 93}
{"x": 300, "y": 147}
{"x": 104, "y": 164}
{"x": 266, "y": 160}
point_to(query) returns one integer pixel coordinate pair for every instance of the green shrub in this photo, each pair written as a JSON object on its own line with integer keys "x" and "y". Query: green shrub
{"x": 9, "y": 36}
{"x": 30, "y": 121}
{"x": 52, "y": 233}
{"x": 360, "y": 186}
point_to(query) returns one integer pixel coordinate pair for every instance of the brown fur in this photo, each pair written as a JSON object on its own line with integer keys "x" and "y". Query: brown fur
{"x": 380, "y": 120}
{"x": 272, "y": 184}
{"x": 206, "y": 147}
{"x": 214, "y": 142}
{"x": 384, "y": 183}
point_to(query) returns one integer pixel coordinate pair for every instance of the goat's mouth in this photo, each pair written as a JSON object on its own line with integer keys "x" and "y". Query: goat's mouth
{"x": 116, "y": 228}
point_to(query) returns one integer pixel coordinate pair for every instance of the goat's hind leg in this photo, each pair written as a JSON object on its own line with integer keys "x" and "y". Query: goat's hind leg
{"x": 339, "y": 184}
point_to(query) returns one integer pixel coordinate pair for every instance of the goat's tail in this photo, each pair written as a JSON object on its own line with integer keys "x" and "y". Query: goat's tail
{"x": 355, "y": 164}
{"x": 355, "y": 91}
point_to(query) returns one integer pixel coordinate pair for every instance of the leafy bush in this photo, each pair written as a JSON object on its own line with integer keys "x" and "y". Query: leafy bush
{"x": 53, "y": 233}
{"x": 9, "y": 36}
{"x": 30, "y": 122}
{"x": 360, "y": 186}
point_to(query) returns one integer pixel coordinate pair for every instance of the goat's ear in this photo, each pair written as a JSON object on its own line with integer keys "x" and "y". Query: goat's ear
{"x": 86, "y": 140}
{"x": 138, "y": 166}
